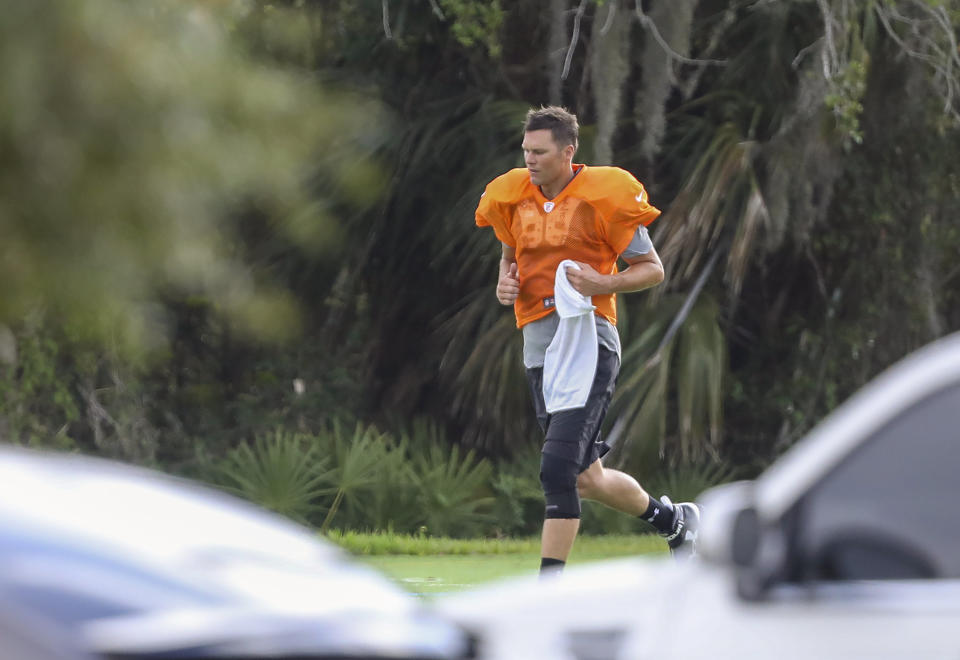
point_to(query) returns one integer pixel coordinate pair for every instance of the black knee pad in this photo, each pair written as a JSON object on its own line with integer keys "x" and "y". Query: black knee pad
{"x": 558, "y": 477}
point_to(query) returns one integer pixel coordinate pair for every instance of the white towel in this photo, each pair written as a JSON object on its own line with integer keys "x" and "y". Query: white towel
{"x": 570, "y": 362}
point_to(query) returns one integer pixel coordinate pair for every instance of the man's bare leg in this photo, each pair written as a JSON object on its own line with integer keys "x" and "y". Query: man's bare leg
{"x": 613, "y": 488}
{"x": 558, "y": 536}
{"x": 620, "y": 491}
{"x": 616, "y": 489}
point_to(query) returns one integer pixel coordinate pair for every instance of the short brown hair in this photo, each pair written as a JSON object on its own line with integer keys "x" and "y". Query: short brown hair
{"x": 561, "y": 123}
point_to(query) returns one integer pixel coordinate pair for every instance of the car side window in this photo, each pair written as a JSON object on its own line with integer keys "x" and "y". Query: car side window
{"x": 888, "y": 511}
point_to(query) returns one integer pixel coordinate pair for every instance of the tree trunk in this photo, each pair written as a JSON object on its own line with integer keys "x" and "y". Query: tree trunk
{"x": 8, "y": 346}
{"x": 673, "y": 22}
{"x": 558, "y": 49}
{"x": 609, "y": 62}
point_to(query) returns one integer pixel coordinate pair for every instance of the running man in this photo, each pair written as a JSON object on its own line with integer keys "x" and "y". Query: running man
{"x": 554, "y": 211}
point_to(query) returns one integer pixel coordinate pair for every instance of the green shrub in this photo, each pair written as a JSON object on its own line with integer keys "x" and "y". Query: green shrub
{"x": 687, "y": 482}
{"x": 359, "y": 461}
{"x": 449, "y": 491}
{"x": 37, "y": 403}
{"x": 390, "y": 502}
{"x": 599, "y": 520}
{"x": 363, "y": 480}
{"x": 518, "y": 496}
{"x": 518, "y": 503}
{"x": 283, "y": 472}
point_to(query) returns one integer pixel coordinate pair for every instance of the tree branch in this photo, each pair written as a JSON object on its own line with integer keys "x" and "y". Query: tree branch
{"x": 942, "y": 60}
{"x": 690, "y": 84}
{"x": 436, "y": 10}
{"x": 609, "y": 22}
{"x": 386, "y": 20}
{"x": 652, "y": 28}
{"x": 828, "y": 54}
{"x": 803, "y": 52}
{"x": 574, "y": 39}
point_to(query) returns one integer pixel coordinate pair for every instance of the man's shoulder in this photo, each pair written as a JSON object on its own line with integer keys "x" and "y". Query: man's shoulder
{"x": 509, "y": 187}
{"x": 606, "y": 178}
{"x": 610, "y": 186}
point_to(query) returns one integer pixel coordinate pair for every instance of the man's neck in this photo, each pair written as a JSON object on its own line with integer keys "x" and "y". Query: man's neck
{"x": 554, "y": 188}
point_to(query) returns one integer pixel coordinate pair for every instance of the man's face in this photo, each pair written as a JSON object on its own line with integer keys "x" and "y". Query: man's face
{"x": 546, "y": 161}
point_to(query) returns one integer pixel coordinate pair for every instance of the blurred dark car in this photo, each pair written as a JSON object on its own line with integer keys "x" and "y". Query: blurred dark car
{"x": 848, "y": 546}
{"x": 100, "y": 560}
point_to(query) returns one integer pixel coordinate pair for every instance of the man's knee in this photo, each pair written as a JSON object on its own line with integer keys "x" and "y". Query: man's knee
{"x": 558, "y": 476}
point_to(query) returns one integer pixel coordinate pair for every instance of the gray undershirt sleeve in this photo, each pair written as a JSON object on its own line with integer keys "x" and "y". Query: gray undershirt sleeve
{"x": 639, "y": 244}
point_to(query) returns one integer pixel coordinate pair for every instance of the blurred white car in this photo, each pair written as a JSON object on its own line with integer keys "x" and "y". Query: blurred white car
{"x": 101, "y": 560}
{"x": 847, "y": 547}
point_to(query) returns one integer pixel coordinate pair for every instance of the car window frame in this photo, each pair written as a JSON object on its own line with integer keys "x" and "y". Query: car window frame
{"x": 790, "y": 525}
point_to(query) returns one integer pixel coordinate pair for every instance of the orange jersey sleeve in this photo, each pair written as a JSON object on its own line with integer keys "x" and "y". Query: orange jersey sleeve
{"x": 497, "y": 202}
{"x": 621, "y": 201}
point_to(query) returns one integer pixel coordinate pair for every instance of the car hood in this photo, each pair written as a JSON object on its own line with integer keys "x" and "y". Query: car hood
{"x": 134, "y": 560}
{"x": 591, "y": 608}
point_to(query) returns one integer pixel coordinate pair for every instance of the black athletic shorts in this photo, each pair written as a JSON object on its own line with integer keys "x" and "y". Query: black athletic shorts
{"x": 574, "y": 435}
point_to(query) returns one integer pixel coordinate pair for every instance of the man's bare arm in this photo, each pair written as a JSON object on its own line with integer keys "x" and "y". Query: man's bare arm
{"x": 643, "y": 271}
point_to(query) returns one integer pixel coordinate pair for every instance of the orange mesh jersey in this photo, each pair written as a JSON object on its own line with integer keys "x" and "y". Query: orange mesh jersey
{"x": 592, "y": 220}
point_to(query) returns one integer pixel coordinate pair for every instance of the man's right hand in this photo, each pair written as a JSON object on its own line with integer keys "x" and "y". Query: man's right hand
{"x": 508, "y": 288}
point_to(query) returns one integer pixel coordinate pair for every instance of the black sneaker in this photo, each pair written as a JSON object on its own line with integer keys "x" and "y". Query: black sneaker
{"x": 682, "y": 541}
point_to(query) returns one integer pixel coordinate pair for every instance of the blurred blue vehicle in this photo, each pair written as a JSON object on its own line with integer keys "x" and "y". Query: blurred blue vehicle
{"x": 103, "y": 561}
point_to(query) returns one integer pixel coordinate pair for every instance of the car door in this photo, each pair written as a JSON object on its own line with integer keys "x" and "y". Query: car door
{"x": 869, "y": 563}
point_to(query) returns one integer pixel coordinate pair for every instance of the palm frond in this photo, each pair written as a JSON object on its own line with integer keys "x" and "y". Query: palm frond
{"x": 357, "y": 459}
{"x": 638, "y": 412}
{"x": 482, "y": 370}
{"x": 283, "y": 472}
{"x": 389, "y": 503}
{"x": 701, "y": 358}
{"x": 687, "y": 481}
{"x": 449, "y": 488}
{"x": 755, "y": 216}
{"x": 720, "y": 198}
{"x": 662, "y": 373}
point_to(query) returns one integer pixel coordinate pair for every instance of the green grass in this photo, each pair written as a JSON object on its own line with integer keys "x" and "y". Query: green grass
{"x": 387, "y": 543}
{"x": 426, "y": 565}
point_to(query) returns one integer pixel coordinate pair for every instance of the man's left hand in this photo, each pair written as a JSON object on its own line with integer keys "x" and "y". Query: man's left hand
{"x": 587, "y": 281}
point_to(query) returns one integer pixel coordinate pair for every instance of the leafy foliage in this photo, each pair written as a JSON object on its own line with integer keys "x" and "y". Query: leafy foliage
{"x": 37, "y": 406}
{"x": 364, "y": 479}
{"x": 129, "y": 133}
{"x": 686, "y": 482}
{"x": 357, "y": 459}
{"x": 662, "y": 373}
{"x": 283, "y": 472}
{"x": 518, "y": 495}
{"x": 182, "y": 180}
{"x": 475, "y": 22}
{"x": 448, "y": 488}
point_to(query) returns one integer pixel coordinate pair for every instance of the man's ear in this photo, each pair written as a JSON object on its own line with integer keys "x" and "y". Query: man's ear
{"x": 568, "y": 152}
